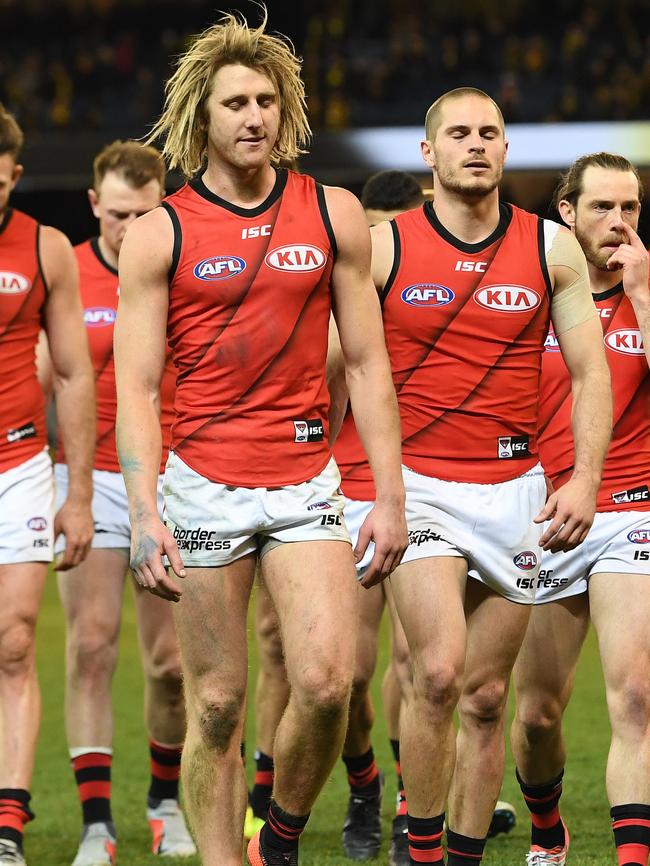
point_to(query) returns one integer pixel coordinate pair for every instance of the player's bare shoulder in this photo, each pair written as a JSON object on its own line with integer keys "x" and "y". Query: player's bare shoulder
{"x": 346, "y": 215}
{"x": 148, "y": 244}
{"x": 56, "y": 256}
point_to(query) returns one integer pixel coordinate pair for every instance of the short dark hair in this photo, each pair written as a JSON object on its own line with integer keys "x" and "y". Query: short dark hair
{"x": 11, "y": 135}
{"x": 136, "y": 163}
{"x": 570, "y": 185}
{"x": 391, "y": 190}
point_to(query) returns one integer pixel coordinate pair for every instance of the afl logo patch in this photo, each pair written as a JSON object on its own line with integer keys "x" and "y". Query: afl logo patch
{"x": 507, "y": 299}
{"x": 526, "y": 560}
{"x": 219, "y": 268}
{"x": 13, "y": 284}
{"x": 296, "y": 257}
{"x": 427, "y": 295}
{"x": 38, "y": 524}
{"x": 626, "y": 341}
{"x": 99, "y": 317}
{"x": 639, "y": 536}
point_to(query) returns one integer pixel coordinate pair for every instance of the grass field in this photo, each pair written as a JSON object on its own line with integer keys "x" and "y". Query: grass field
{"x": 51, "y": 839}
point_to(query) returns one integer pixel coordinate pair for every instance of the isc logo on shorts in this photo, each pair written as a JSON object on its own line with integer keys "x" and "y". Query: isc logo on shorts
{"x": 296, "y": 257}
{"x": 634, "y": 494}
{"x": 427, "y": 295}
{"x": 219, "y": 268}
{"x": 38, "y": 524}
{"x": 626, "y": 341}
{"x": 639, "y": 536}
{"x": 99, "y": 317}
{"x": 526, "y": 560}
{"x": 308, "y": 431}
{"x": 13, "y": 284}
{"x": 507, "y": 299}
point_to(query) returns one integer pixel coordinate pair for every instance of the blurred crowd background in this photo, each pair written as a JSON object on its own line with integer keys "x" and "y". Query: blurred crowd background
{"x": 100, "y": 65}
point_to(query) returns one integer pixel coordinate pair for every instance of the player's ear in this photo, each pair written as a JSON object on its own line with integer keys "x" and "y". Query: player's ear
{"x": 427, "y": 153}
{"x": 16, "y": 174}
{"x": 93, "y": 198}
{"x": 568, "y": 213}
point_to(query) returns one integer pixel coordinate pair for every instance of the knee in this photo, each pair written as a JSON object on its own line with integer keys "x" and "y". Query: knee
{"x": 539, "y": 716}
{"x": 91, "y": 654}
{"x": 484, "y": 705}
{"x": 17, "y": 648}
{"x": 324, "y": 692}
{"x": 629, "y": 704}
{"x": 163, "y": 668}
{"x": 437, "y": 682}
{"x": 218, "y": 715}
{"x": 269, "y": 641}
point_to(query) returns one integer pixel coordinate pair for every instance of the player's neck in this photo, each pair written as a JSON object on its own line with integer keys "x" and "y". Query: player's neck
{"x": 603, "y": 281}
{"x": 109, "y": 256}
{"x": 468, "y": 219}
{"x": 243, "y": 187}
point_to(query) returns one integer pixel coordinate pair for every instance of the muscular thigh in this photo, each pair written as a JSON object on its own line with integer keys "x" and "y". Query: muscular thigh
{"x": 91, "y": 593}
{"x": 156, "y": 629}
{"x": 21, "y": 586}
{"x": 371, "y": 607}
{"x": 267, "y": 628}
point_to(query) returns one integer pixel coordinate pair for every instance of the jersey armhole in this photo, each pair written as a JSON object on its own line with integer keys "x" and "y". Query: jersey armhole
{"x": 178, "y": 238}
{"x": 397, "y": 260}
{"x": 39, "y": 259}
{"x": 541, "y": 249}
{"x": 327, "y": 222}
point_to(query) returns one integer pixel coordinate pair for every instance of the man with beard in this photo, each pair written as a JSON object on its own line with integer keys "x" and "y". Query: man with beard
{"x": 468, "y": 286}
{"x": 600, "y": 200}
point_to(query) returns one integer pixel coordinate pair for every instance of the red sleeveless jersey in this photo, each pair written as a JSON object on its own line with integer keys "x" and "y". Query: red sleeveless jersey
{"x": 626, "y": 474}
{"x": 465, "y": 327}
{"x": 99, "y": 288}
{"x": 356, "y": 478}
{"x": 249, "y": 303}
{"x": 22, "y": 298}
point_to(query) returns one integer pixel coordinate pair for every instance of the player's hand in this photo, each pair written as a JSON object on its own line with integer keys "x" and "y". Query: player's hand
{"x": 386, "y": 526}
{"x": 632, "y": 257}
{"x": 75, "y": 520}
{"x": 150, "y": 540}
{"x": 571, "y": 512}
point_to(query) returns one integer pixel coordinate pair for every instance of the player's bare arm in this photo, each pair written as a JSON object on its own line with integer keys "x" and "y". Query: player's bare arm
{"x": 633, "y": 259}
{"x": 571, "y": 509}
{"x": 140, "y": 331}
{"x": 372, "y": 396}
{"x": 74, "y": 387}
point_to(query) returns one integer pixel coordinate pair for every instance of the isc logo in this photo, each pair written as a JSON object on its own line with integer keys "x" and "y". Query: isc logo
{"x": 296, "y": 257}
{"x": 13, "y": 284}
{"x": 38, "y": 524}
{"x": 526, "y": 560}
{"x": 99, "y": 317}
{"x": 626, "y": 341}
{"x": 256, "y": 232}
{"x": 639, "y": 536}
{"x": 478, "y": 267}
{"x": 219, "y": 268}
{"x": 427, "y": 295}
{"x": 507, "y": 299}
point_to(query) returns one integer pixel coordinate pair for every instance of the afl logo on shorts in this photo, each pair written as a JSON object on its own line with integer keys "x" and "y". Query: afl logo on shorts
{"x": 99, "y": 317}
{"x": 627, "y": 341}
{"x": 427, "y": 295}
{"x": 639, "y": 536}
{"x": 13, "y": 284}
{"x": 296, "y": 257}
{"x": 219, "y": 268}
{"x": 38, "y": 524}
{"x": 507, "y": 299}
{"x": 526, "y": 560}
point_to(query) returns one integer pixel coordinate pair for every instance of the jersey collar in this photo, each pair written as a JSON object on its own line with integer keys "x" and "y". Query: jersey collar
{"x": 505, "y": 217}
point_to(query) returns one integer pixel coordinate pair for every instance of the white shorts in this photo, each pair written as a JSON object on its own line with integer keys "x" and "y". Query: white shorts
{"x": 356, "y": 512}
{"x": 215, "y": 524}
{"x": 110, "y": 507}
{"x": 489, "y": 525}
{"x": 27, "y": 511}
{"x": 618, "y": 543}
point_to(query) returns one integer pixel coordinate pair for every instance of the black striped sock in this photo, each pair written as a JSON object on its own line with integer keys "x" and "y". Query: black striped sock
{"x": 464, "y": 850}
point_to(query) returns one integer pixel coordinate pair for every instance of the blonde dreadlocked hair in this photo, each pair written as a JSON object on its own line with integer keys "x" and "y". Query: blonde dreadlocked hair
{"x": 183, "y": 122}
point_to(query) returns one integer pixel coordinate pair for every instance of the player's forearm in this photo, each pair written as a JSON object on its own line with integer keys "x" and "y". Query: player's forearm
{"x": 591, "y": 423}
{"x": 75, "y": 407}
{"x": 376, "y": 415}
{"x": 139, "y": 447}
{"x": 642, "y": 311}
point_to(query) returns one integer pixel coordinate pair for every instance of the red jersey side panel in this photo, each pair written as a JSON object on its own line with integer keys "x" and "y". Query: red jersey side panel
{"x": 22, "y": 298}
{"x": 356, "y": 478}
{"x": 99, "y": 289}
{"x": 626, "y": 474}
{"x": 248, "y": 317}
{"x": 465, "y": 327}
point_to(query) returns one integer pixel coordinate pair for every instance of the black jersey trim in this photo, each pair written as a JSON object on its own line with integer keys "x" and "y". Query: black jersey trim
{"x": 94, "y": 245}
{"x": 602, "y": 296}
{"x": 505, "y": 218}
{"x": 325, "y": 216}
{"x": 39, "y": 260}
{"x": 201, "y": 189}
{"x": 541, "y": 249}
{"x": 6, "y": 219}
{"x": 178, "y": 239}
{"x": 397, "y": 261}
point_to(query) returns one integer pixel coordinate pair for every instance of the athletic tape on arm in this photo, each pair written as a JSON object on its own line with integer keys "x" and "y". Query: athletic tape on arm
{"x": 572, "y": 303}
